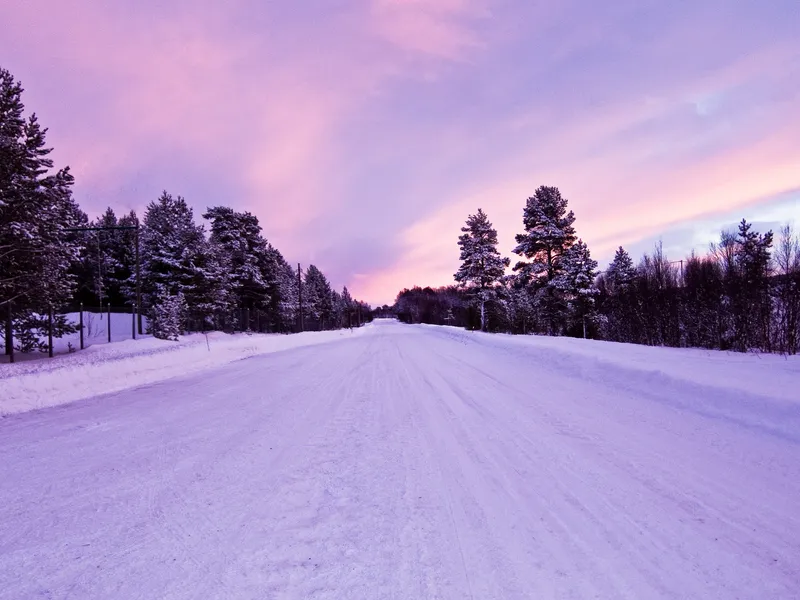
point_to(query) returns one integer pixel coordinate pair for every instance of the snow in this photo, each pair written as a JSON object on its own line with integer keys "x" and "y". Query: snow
{"x": 415, "y": 462}
{"x": 95, "y": 332}
{"x": 102, "y": 369}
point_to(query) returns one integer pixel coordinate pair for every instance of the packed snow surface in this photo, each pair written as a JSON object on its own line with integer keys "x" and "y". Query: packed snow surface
{"x": 416, "y": 462}
{"x": 101, "y": 369}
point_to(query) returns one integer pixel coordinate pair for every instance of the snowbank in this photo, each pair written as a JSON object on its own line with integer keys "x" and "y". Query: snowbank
{"x": 763, "y": 375}
{"x": 117, "y": 366}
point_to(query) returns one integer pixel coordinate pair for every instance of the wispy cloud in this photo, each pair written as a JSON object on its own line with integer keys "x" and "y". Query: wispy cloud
{"x": 363, "y": 134}
{"x": 440, "y": 28}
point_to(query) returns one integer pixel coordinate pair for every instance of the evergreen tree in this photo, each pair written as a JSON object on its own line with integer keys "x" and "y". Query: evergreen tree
{"x": 285, "y": 297}
{"x": 347, "y": 308}
{"x": 482, "y": 266}
{"x": 317, "y": 299}
{"x": 751, "y": 301}
{"x": 621, "y": 273}
{"x": 549, "y": 233}
{"x": 36, "y": 206}
{"x": 168, "y": 315}
{"x": 522, "y": 313}
{"x": 622, "y": 302}
{"x": 253, "y": 270}
{"x": 337, "y": 310}
{"x": 123, "y": 252}
{"x": 575, "y": 283}
{"x": 177, "y": 259}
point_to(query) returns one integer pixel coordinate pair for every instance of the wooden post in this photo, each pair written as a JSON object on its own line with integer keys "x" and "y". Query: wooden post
{"x": 138, "y": 284}
{"x": 108, "y": 322}
{"x": 50, "y": 333}
{"x": 81, "y": 325}
{"x": 10, "y": 334}
{"x": 299, "y": 298}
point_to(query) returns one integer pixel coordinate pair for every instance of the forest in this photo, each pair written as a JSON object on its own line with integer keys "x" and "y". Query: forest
{"x": 743, "y": 294}
{"x": 181, "y": 275}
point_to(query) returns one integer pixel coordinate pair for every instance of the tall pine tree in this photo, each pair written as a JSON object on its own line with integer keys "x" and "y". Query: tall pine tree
{"x": 549, "y": 234}
{"x": 482, "y": 266}
{"x": 36, "y": 207}
{"x": 317, "y": 299}
{"x": 253, "y": 270}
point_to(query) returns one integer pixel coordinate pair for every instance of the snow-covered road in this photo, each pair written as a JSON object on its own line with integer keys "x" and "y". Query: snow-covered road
{"x": 409, "y": 462}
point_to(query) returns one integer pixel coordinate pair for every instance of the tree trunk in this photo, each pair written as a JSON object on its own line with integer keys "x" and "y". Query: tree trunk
{"x": 483, "y": 313}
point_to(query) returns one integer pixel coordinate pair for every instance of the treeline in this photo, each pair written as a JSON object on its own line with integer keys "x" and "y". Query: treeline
{"x": 224, "y": 276}
{"x": 743, "y": 295}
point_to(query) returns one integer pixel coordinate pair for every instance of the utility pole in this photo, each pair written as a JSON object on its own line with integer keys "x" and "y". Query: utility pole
{"x": 299, "y": 297}
{"x": 138, "y": 284}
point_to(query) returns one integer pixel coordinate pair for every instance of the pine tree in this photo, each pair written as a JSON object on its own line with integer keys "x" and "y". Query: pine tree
{"x": 751, "y": 301}
{"x": 317, "y": 298}
{"x": 549, "y": 233}
{"x": 168, "y": 316}
{"x": 177, "y": 259}
{"x": 253, "y": 269}
{"x": 482, "y": 266}
{"x": 285, "y": 295}
{"x": 621, "y": 273}
{"x": 622, "y": 302}
{"x": 36, "y": 206}
{"x": 347, "y": 308}
{"x": 575, "y": 283}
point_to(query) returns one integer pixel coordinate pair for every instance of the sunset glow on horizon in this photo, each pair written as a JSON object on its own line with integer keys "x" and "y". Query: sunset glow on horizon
{"x": 363, "y": 133}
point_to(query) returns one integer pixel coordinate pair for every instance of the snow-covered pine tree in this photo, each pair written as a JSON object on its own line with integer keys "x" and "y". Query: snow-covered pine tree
{"x": 621, "y": 273}
{"x": 549, "y": 233}
{"x": 482, "y": 266}
{"x": 575, "y": 283}
{"x": 317, "y": 299}
{"x": 124, "y": 254}
{"x": 253, "y": 270}
{"x": 177, "y": 259}
{"x": 36, "y": 206}
{"x": 285, "y": 295}
{"x": 622, "y": 310}
{"x": 210, "y": 299}
{"x": 751, "y": 302}
{"x": 347, "y": 308}
{"x": 337, "y": 310}
{"x": 168, "y": 315}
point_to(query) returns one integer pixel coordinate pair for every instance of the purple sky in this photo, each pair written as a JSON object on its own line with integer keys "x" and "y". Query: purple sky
{"x": 363, "y": 132}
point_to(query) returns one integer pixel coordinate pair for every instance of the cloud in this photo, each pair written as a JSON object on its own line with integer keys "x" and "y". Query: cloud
{"x": 439, "y": 28}
{"x": 362, "y": 135}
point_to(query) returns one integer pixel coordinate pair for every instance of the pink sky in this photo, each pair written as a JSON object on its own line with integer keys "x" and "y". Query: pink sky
{"x": 363, "y": 132}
